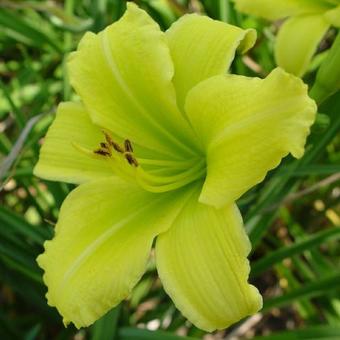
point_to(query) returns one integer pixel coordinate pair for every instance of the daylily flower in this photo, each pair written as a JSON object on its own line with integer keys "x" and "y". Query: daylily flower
{"x": 162, "y": 145}
{"x": 301, "y": 33}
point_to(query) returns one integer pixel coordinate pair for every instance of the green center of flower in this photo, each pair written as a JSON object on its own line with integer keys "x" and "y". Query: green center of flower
{"x": 154, "y": 175}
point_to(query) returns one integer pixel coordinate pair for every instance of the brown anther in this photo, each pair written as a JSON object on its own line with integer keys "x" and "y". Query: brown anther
{"x": 128, "y": 146}
{"x": 102, "y": 152}
{"x": 132, "y": 160}
{"x": 107, "y": 137}
{"x": 106, "y": 148}
{"x": 117, "y": 147}
{"x": 110, "y": 142}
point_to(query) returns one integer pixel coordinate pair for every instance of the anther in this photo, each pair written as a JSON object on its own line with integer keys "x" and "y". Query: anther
{"x": 107, "y": 147}
{"x": 102, "y": 152}
{"x": 128, "y": 146}
{"x": 110, "y": 142}
{"x": 132, "y": 160}
{"x": 117, "y": 147}
{"x": 107, "y": 137}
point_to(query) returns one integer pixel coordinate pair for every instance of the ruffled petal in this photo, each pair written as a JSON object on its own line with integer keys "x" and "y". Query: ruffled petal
{"x": 297, "y": 41}
{"x": 202, "y": 263}
{"x": 201, "y": 47}
{"x": 59, "y": 158}
{"x": 247, "y": 125}
{"x": 123, "y": 75}
{"x": 102, "y": 242}
{"x": 278, "y": 9}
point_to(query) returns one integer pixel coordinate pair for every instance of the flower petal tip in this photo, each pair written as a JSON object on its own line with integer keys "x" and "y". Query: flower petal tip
{"x": 248, "y": 41}
{"x": 307, "y": 116}
{"x": 36, "y": 170}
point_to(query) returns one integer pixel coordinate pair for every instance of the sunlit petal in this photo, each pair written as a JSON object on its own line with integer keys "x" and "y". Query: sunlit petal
{"x": 201, "y": 48}
{"x": 59, "y": 158}
{"x": 123, "y": 75}
{"x": 102, "y": 243}
{"x": 247, "y": 125}
{"x": 297, "y": 41}
{"x": 277, "y": 9}
{"x": 202, "y": 263}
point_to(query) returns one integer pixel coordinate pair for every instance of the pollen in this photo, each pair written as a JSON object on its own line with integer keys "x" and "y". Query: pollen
{"x": 128, "y": 146}
{"x": 131, "y": 160}
{"x": 109, "y": 147}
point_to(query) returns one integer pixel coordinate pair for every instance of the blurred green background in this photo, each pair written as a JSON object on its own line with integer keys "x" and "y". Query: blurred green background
{"x": 292, "y": 218}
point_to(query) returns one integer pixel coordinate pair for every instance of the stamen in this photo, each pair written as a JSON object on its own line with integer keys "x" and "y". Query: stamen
{"x": 180, "y": 164}
{"x": 154, "y": 184}
{"x": 175, "y": 174}
{"x": 128, "y": 146}
{"x": 166, "y": 183}
{"x": 110, "y": 142}
{"x": 106, "y": 149}
{"x": 102, "y": 152}
{"x": 132, "y": 160}
{"x": 117, "y": 147}
{"x": 107, "y": 137}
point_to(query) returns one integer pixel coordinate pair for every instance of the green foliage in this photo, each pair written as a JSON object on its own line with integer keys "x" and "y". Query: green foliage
{"x": 292, "y": 218}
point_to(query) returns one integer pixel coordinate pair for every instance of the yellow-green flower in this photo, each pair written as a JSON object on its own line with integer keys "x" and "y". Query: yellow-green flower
{"x": 163, "y": 143}
{"x": 301, "y": 33}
